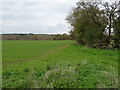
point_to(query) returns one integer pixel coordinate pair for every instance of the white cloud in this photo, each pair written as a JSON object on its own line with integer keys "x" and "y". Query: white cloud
{"x": 45, "y": 1}
{"x": 0, "y": 18}
{"x": 46, "y": 16}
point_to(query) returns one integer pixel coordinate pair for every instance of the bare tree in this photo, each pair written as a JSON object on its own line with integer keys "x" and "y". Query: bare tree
{"x": 110, "y": 9}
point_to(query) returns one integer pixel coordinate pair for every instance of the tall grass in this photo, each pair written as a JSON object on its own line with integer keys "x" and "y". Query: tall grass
{"x": 58, "y": 64}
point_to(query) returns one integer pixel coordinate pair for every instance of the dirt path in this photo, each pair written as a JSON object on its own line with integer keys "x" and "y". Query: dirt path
{"x": 52, "y": 51}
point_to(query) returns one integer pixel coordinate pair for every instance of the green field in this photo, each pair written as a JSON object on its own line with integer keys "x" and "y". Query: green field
{"x": 57, "y": 64}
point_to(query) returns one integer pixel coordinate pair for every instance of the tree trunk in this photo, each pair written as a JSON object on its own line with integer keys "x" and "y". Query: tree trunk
{"x": 109, "y": 29}
{"x": 110, "y": 24}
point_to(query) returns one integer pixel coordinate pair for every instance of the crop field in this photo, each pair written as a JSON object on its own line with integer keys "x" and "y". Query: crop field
{"x": 57, "y": 64}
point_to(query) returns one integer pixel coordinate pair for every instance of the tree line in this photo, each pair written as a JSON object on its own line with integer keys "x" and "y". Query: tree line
{"x": 36, "y": 37}
{"x": 96, "y": 24}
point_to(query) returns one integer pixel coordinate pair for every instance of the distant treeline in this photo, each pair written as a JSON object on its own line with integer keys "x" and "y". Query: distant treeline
{"x": 36, "y": 37}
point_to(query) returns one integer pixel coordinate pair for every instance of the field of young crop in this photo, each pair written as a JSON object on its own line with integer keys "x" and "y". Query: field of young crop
{"x": 57, "y": 64}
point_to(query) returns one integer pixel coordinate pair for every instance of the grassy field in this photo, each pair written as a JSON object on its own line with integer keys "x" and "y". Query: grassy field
{"x": 57, "y": 64}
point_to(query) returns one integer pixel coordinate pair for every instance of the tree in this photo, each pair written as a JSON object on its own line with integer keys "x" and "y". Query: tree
{"x": 110, "y": 10}
{"x": 72, "y": 34}
{"x": 116, "y": 27}
{"x": 94, "y": 26}
{"x": 87, "y": 19}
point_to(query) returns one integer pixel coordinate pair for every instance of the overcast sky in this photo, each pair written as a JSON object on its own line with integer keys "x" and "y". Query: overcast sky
{"x": 35, "y": 16}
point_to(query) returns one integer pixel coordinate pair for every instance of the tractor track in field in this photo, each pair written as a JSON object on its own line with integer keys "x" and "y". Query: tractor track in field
{"x": 50, "y": 52}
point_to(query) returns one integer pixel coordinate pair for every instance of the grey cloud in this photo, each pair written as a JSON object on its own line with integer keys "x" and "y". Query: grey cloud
{"x": 37, "y": 17}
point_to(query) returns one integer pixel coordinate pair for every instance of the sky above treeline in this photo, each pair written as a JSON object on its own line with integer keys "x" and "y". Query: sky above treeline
{"x": 35, "y": 16}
